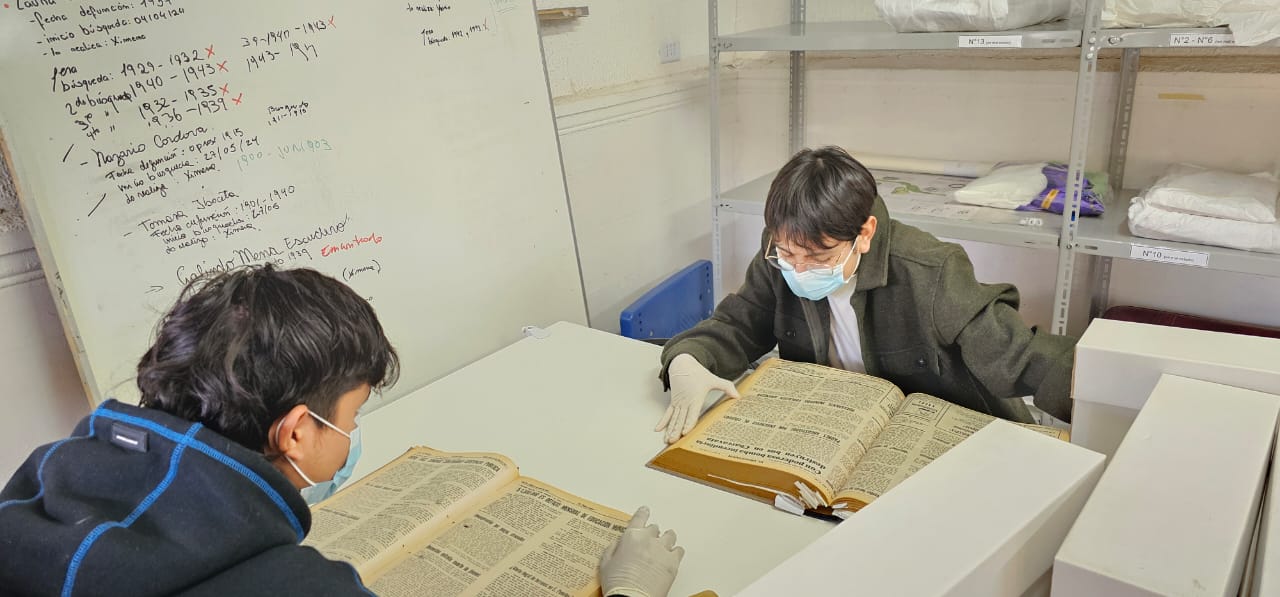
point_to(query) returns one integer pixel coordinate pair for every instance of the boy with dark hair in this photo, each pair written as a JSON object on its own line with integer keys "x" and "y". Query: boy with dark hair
{"x": 837, "y": 282}
{"x": 250, "y": 411}
{"x": 250, "y": 397}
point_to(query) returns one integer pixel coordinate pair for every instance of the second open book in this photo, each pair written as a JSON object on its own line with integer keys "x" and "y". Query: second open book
{"x": 441, "y": 523}
{"x": 808, "y": 437}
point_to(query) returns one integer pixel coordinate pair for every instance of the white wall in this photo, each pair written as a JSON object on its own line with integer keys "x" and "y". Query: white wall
{"x": 635, "y": 139}
{"x": 618, "y": 44}
{"x": 637, "y": 173}
{"x": 633, "y": 134}
{"x": 42, "y": 397}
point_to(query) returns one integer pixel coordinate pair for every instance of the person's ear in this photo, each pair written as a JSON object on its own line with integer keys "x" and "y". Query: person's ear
{"x": 866, "y": 234}
{"x": 289, "y": 434}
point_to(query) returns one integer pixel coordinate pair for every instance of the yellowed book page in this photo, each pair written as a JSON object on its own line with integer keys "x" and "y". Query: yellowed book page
{"x": 532, "y": 540}
{"x": 801, "y": 419}
{"x": 923, "y": 429}
{"x": 398, "y": 507}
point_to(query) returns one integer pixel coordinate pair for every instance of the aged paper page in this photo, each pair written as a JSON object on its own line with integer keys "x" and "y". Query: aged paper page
{"x": 923, "y": 429}
{"x": 370, "y": 523}
{"x": 533, "y": 540}
{"x": 809, "y": 421}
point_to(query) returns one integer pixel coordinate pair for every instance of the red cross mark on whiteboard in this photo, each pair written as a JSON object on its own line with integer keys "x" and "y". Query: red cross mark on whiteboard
{"x": 222, "y": 66}
{"x": 331, "y": 23}
{"x": 224, "y": 89}
{"x": 237, "y": 98}
{"x": 210, "y": 51}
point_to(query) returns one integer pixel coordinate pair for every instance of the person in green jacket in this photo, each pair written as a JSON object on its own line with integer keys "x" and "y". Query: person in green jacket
{"x": 838, "y": 282}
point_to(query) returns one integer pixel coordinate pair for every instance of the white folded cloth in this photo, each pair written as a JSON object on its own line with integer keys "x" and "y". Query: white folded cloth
{"x": 1204, "y": 192}
{"x": 1150, "y": 221}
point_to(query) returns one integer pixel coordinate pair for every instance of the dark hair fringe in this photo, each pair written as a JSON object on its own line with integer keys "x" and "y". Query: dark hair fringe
{"x": 819, "y": 194}
{"x": 242, "y": 347}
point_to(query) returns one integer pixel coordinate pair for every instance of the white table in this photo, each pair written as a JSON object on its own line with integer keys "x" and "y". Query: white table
{"x": 576, "y": 410}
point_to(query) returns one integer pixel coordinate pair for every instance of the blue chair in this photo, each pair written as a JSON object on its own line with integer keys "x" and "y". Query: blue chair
{"x": 671, "y": 307}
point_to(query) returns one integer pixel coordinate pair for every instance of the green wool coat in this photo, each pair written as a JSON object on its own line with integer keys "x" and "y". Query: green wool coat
{"x": 926, "y": 324}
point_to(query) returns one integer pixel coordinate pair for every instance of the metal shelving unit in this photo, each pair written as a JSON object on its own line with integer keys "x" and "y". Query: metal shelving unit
{"x": 1101, "y": 238}
{"x": 875, "y": 35}
{"x": 797, "y": 37}
{"x": 1108, "y": 237}
{"x": 1174, "y": 37}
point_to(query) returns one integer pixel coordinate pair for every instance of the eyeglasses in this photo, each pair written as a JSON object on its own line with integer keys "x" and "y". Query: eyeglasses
{"x": 819, "y": 269}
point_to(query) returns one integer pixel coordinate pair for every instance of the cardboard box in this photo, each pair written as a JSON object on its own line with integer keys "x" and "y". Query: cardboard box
{"x": 1118, "y": 363}
{"x": 1175, "y": 511}
{"x": 986, "y": 518}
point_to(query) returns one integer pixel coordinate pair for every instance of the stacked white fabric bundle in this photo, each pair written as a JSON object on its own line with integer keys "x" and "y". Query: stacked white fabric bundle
{"x": 1210, "y": 207}
{"x": 907, "y": 16}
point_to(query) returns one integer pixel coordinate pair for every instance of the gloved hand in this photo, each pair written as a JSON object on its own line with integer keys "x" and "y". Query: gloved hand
{"x": 641, "y": 563}
{"x": 690, "y": 384}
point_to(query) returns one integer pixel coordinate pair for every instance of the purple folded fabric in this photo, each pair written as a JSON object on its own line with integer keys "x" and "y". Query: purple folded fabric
{"x": 1053, "y": 197}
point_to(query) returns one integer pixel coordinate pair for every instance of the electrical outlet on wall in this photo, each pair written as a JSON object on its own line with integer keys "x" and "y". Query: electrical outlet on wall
{"x": 669, "y": 51}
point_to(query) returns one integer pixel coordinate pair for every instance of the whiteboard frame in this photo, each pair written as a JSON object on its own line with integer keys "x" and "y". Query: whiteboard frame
{"x": 564, "y": 179}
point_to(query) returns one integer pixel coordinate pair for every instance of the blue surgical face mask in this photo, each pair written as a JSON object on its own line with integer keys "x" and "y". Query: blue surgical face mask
{"x": 315, "y": 493}
{"x": 814, "y": 286}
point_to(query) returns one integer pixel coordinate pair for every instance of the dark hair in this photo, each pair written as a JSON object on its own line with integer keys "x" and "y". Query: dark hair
{"x": 242, "y": 347}
{"x": 819, "y": 192}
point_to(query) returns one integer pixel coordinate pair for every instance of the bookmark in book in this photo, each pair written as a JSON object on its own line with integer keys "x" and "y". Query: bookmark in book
{"x": 786, "y": 503}
{"x": 811, "y": 498}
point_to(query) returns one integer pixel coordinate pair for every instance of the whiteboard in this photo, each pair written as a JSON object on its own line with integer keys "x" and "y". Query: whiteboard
{"x": 408, "y": 149}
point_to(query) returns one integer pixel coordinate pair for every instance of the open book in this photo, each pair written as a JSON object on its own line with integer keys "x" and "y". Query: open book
{"x": 438, "y": 523}
{"x": 808, "y": 437}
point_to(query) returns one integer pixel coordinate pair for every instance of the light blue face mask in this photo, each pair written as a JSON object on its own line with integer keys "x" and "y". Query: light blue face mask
{"x": 315, "y": 493}
{"x": 814, "y": 286}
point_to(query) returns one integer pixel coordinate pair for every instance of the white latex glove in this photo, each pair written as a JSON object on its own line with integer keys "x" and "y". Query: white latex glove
{"x": 690, "y": 384}
{"x": 642, "y": 563}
